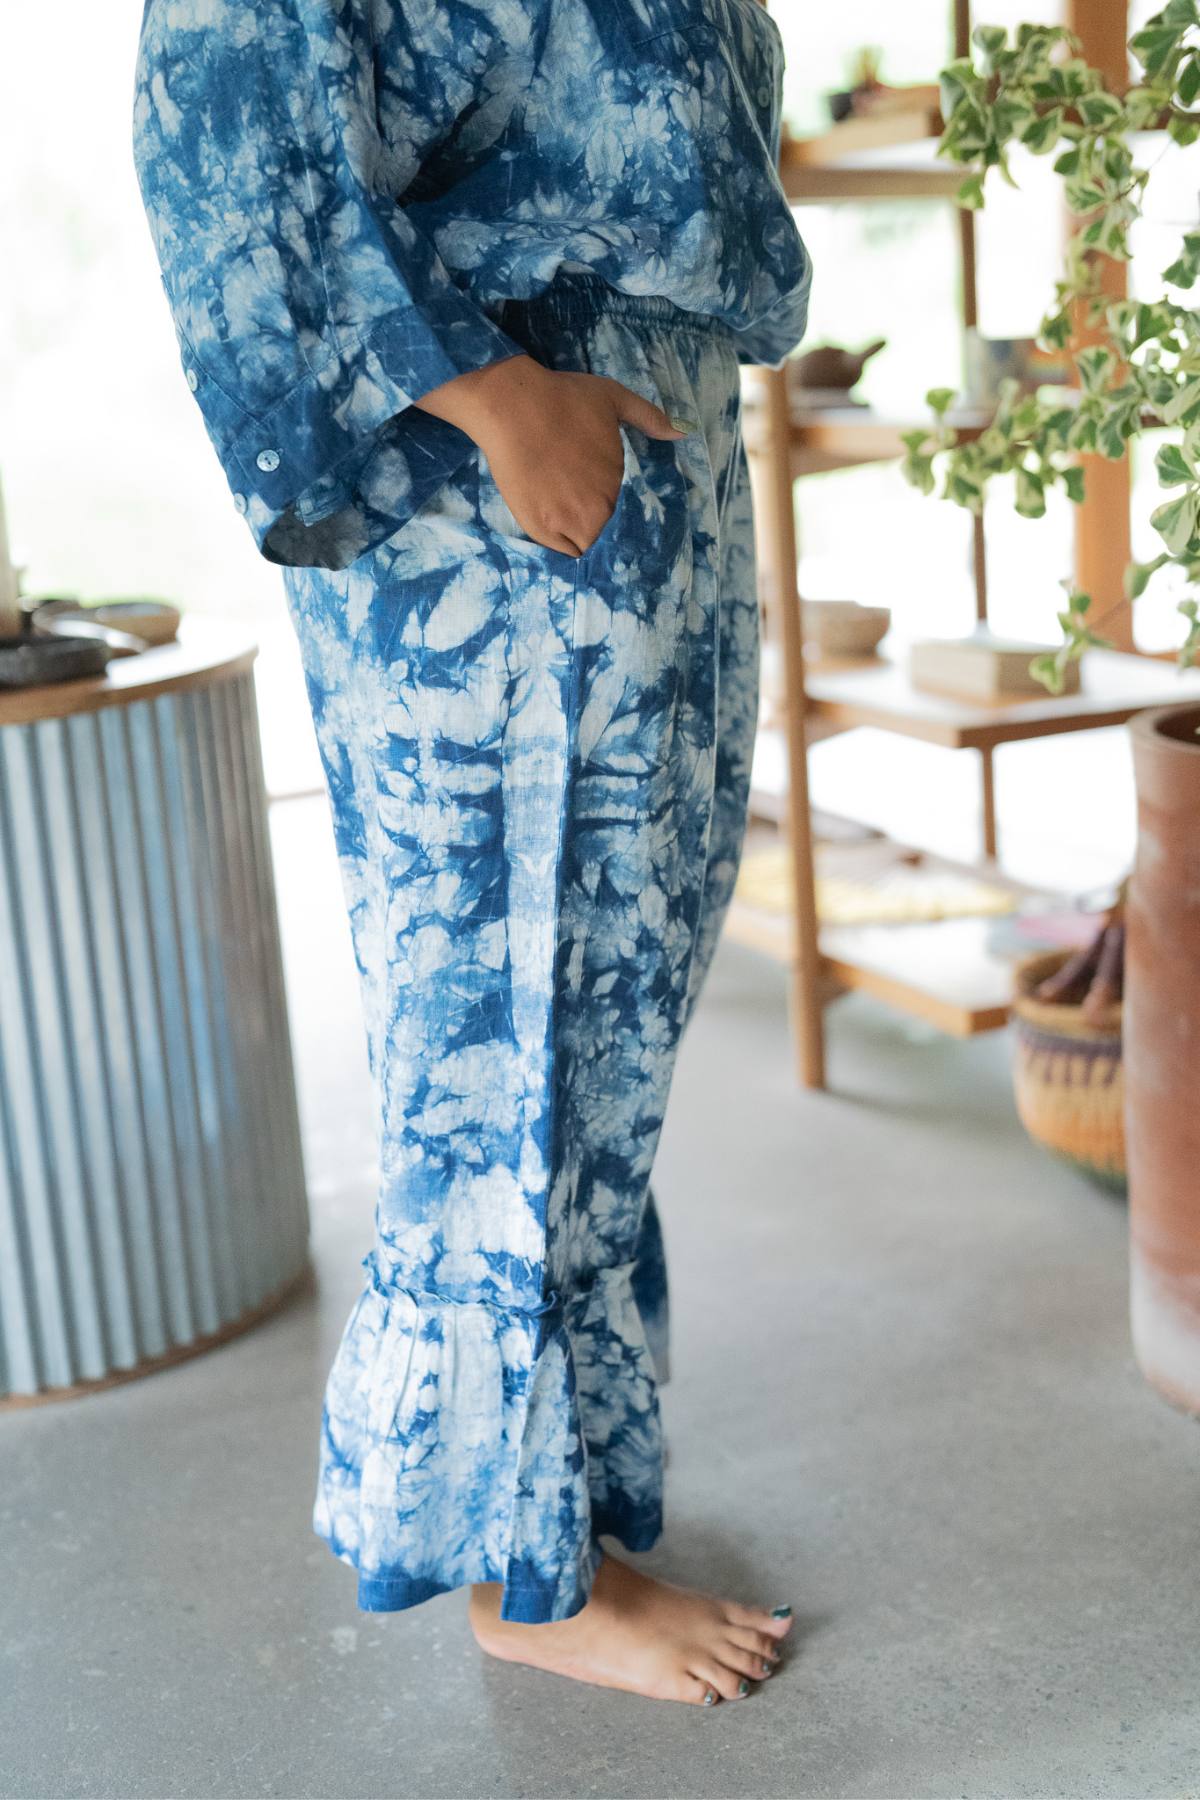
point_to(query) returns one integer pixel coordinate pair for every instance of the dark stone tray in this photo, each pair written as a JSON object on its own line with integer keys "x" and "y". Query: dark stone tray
{"x": 31, "y": 661}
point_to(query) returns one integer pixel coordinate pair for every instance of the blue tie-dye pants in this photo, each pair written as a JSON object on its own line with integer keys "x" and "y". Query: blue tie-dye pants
{"x": 538, "y": 768}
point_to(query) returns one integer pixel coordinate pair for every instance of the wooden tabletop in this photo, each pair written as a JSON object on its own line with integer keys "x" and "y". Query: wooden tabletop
{"x": 874, "y": 691}
{"x": 205, "y": 651}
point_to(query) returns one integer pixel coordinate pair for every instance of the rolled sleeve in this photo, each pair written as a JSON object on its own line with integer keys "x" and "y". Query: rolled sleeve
{"x": 344, "y": 458}
{"x": 311, "y": 313}
{"x": 770, "y": 340}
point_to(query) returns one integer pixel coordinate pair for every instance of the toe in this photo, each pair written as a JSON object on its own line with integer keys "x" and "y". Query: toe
{"x": 694, "y": 1690}
{"x": 728, "y": 1683}
{"x": 746, "y": 1662}
{"x": 757, "y": 1642}
{"x": 776, "y": 1624}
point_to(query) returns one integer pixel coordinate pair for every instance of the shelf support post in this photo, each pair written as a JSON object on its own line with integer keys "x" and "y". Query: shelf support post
{"x": 1103, "y": 540}
{"x": 778, "y": 537}
{"x": 987, "y": 773}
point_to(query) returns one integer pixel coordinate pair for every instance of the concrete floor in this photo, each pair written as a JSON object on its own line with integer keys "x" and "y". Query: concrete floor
{"x": 903, "y": 1399}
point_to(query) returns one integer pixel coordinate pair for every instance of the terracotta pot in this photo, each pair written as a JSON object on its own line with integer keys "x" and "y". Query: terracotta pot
{"x": 1162, "y": 1054}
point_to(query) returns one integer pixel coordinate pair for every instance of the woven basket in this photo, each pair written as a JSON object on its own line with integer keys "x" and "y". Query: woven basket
{"x": 1067, "y": 1076}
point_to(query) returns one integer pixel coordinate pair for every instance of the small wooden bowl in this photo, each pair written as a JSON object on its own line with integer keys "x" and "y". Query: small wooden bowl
{"x": 843, "y": 627}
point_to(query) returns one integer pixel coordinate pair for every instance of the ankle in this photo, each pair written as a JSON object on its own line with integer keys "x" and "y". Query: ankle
{"x": 483, "y": 1612}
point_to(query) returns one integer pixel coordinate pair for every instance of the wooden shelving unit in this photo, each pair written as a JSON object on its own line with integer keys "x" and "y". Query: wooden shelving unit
{"x": 943, "y": 971}
{"x": 888, "y": 157}
{"x": 872, "y": 691}
{"x": 844, "y": 694}
{"x": 841, "y": 437}
{"x": 865, "y": 137}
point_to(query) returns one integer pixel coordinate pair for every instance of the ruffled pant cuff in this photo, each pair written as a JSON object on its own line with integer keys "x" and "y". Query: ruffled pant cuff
{"x": 468, "y": 1442}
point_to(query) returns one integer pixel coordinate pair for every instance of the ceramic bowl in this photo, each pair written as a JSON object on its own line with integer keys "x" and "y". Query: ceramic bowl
{"x": 154, "y": 621}
{"x": 843, "y": 627}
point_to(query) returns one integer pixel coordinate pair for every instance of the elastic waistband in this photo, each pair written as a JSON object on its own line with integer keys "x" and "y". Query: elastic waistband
{"x": 579, "y": 299}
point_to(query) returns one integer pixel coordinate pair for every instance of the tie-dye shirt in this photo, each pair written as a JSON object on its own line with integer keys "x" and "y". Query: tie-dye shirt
{"x": 343, "y": 192}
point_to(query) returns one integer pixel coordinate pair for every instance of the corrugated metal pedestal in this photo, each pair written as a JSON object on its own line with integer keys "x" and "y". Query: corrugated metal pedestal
{"x": 152, "y": 1195}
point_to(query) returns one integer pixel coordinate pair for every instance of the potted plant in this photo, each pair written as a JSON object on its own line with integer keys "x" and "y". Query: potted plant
{"x": 1138, "y": 368}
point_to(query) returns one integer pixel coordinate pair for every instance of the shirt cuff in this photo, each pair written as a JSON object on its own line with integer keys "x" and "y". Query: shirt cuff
{"x": 770, "y": 340}
{"x": 344, "y": 458}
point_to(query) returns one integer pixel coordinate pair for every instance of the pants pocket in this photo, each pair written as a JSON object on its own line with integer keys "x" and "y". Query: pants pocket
{"x": 497, "y": 517}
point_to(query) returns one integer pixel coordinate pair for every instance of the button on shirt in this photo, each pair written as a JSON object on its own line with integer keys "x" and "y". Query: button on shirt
{"x": 343, "y": 194}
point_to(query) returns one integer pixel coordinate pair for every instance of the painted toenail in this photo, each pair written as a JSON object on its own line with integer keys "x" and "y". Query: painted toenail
{"x": 767, "y": 1667}
{"x": 743, "y": 1686}
{"x": 781, "y": 1612}
{"x": 710, "y": 1699}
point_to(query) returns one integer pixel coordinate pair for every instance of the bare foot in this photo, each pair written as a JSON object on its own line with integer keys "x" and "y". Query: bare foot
{"x": 643, "y": 1635}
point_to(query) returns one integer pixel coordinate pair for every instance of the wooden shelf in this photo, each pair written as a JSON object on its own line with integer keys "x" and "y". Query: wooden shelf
{"x": 942, "y": 972}
{"x": 870, "y": 159}
{"x": 847, "y": 437}
{"x": 824, "y": 187}
{"x": 875, "y": 692}
{"x": 868, "y": 135}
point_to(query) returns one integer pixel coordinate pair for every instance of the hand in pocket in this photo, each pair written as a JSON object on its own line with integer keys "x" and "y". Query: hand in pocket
{"x": 552, "y": 439}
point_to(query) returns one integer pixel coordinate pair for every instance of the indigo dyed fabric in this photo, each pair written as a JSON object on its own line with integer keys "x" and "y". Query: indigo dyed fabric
{"x": 342, "y": 193}
{"x": 539, "y": 767}
{"x": 537, "y": 764}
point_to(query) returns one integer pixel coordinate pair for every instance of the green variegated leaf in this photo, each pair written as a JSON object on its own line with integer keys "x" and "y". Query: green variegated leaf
{"x": 1041, "y": 135}
{"x": 1032, "y": 88}
{"x": 1183, "y": 402}
{"x": 1138, "y": 575}
{"x": 1155, "y": 47}
{"x": 963, "y": 489}
{"x": 1171, "y": 466}
{"x": 1176, "y": 521}
{"x": 1082, "y": 435}
{"x": 1112, "y": 435}
{"x": 1046, "y": 669}
{"x": 918, "y": 472}
{"x": 1184, "y": 270}
{"x": 1031, "y": 494}
{"x": 1099, "y": 110}
{"x": 1074, "y": 482}
{"x": 990, "y": 38}
{"x": 1150, "y": 322}
{"x": 1056, "y": 425}
{"x": 1188, "y": 82}
{"x": 1095, "y": 365}
{"x": 1055, "y": 331}
{"x": 1084, "y": 196}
